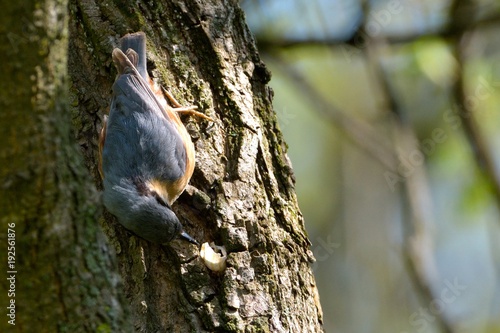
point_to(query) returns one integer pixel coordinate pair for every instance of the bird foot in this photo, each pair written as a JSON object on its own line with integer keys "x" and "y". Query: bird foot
{"x": 189, "y": 110}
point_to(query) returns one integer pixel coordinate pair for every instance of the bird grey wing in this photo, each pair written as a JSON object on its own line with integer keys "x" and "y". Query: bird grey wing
{"x": 126, "y": 67}
{"x": 148, "y": 141}
{"x": 162, "y": 151}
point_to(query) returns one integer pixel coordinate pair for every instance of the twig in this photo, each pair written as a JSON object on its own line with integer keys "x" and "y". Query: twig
{"x": 474, "y": 135}
{"x": 359, "y": 132}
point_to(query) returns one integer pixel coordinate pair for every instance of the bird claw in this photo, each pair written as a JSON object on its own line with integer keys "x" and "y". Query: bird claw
{"x": 190, "y": 110}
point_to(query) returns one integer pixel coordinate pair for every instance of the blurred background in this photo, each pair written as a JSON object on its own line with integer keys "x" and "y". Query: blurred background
{"x": 391, "y": 113}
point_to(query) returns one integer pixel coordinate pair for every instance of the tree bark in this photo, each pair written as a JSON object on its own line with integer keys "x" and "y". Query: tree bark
{"x": 62, "y": 278}
{"x": 241, "y": 195}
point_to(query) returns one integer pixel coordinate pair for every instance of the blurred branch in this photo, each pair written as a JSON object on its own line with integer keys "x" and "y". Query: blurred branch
{"x": 359, "y": 38}
{"x": 419, "y": 251}
{"x": 476, "y": 139}
{"x": 359, "y": 132}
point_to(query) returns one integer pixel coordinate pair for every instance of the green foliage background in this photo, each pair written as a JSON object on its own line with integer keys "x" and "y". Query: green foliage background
{"x": 403, "y": 74}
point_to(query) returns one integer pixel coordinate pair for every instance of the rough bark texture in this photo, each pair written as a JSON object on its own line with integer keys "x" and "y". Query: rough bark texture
{"x": 241, "y": 195}
{"x": 66, "y": 279}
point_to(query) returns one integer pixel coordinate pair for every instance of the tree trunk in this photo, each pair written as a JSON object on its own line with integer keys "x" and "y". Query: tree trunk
{"x": 241, "y": 195}
{"x": 61, "y": 277}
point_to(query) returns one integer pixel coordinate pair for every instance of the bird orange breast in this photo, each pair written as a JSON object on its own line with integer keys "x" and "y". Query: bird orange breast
{"x": 171, "y": 191}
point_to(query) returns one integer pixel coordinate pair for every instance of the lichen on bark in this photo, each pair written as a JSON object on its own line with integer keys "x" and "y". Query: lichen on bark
{"x": 242, "y": 192}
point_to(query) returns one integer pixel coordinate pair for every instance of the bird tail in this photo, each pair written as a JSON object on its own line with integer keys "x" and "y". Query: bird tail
{"x": 130, "y": 58}
{"x": 136, "y": 42}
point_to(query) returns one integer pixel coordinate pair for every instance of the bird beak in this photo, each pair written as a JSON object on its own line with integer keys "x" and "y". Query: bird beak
{"x": 190, "y": 239}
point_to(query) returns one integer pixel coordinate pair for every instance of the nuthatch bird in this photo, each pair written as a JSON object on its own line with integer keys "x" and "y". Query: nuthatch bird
{"x": 146, "y": 153}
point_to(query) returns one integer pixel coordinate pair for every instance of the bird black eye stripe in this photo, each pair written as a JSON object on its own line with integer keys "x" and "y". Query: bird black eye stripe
{"x": 143, "y": 189}
{"x": 159, "y": 199}
{"x": 141, "y": 186}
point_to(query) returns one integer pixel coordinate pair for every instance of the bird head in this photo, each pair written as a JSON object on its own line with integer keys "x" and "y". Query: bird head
{"x": 143, "y": 212}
